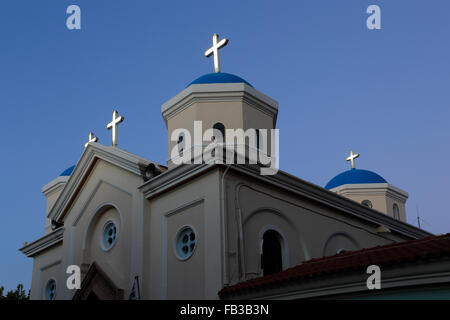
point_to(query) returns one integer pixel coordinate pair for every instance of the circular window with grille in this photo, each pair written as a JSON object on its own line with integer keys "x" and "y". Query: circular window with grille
{"x": 185, "y": 244}
{"x": 367, "y": 203}
{"x": 50, "y": 289}
{"x": 109, "y": 235}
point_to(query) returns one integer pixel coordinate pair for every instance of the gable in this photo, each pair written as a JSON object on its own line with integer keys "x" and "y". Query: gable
{"x": 119, "y": 159}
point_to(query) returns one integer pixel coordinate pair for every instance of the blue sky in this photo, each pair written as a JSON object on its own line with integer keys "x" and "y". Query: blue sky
{"x": 340, "y": 86}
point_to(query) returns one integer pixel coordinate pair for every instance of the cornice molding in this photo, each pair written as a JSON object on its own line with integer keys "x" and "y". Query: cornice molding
{"x": 220, "y": 92}
{"x": 172, "y": 178}
{"x": 43, "y": 243}
{"x": 287, "y": 182}
{"x": 92, "y": 153}
{"x": 54, "y": 185}
{"x": 372, "y": 188}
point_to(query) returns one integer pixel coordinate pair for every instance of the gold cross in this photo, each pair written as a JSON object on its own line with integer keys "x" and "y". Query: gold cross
{"x": 215, "y": 50}
{"x": 116, "y": 119}
{"x": 352, "y": 158}
{"x": 92, "y": 138}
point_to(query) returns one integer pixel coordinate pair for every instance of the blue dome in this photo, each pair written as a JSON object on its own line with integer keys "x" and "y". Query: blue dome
{"x": 67, "y": 172}
{"x": 354, "y": 176}
{"x": 219, "y": 77}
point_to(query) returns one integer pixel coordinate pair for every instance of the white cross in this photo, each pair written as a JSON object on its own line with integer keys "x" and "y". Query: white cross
{"x": 215, "y": 50}
{"x": 113, "y": 125}
{"x": 352, "y": 158}
{"x": 92, "y": 138}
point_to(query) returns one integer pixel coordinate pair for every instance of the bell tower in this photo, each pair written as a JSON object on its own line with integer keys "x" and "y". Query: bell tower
{"x": 217, "y": 101}
{"x": 370, "y": 189}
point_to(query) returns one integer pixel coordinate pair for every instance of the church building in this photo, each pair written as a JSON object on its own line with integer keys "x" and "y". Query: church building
{"x": 140, "y": 229}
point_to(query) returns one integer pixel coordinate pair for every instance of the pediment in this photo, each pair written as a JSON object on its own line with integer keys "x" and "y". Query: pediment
{"x": 84, "y": 168}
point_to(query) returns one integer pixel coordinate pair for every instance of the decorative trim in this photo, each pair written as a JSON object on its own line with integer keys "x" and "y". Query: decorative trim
{"x": 372, "y": 188}
{"x": 164, "y": 239}
{"x": 344, "y": 234}
{"x": 54, "y": 185}
{"x": 92, "y": 153}
{"x": 273, "y": 210}
{"x": 97, "y": 213}
{"x": 219, "y": 92}
{"x": 91, "y": 196}
{"x": 284, "y": 181}
{"x": 51, "y": 264}
{"x": 172, "y": 178}
{"x": 185, "y": 206}
{"x": 51, "y": 239}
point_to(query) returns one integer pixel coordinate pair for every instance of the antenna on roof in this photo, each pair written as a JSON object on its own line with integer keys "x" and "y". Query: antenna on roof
{"x": 418, "y": 217}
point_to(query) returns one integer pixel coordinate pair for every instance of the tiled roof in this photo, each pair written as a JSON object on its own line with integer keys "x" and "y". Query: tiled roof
{"x": 408, "y": 251}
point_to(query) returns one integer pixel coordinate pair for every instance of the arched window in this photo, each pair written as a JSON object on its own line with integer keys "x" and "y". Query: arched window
{"x": 180, "y": 143}
{"x": 50, "y": 289}
{"x": 396, "y": 211}
{"x": 272, "y": 261}
{"x": 258, "y": 142}
{"x": 367, "y": 203}
{"x": 219, "y": 126}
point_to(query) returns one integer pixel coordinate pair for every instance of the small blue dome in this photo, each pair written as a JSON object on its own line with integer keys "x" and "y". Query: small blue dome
{"x": 219, "y": 77}
{"x": 354, "y": 176}
{"x": 67, "y": 172}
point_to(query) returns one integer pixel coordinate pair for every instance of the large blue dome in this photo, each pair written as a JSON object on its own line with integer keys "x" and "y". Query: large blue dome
{"x": 67, "y": 172}
{"x": 219, "y": 77}
{"x": 355, "y": 176}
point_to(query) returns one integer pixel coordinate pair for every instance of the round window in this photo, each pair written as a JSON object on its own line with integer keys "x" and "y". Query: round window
{"x": 50, "y": 289}
{"x": 185, "y": 243}
{"x": 367, "y": 203}
{"x": 109, "y": 235}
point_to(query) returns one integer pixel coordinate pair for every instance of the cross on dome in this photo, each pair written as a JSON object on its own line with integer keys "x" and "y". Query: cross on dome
{"x": 352, "y": 158}
{"x": 214, "y": 50}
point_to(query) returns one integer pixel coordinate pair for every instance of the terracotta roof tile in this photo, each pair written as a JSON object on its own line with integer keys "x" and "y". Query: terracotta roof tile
{"x": 408, "y": 251}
